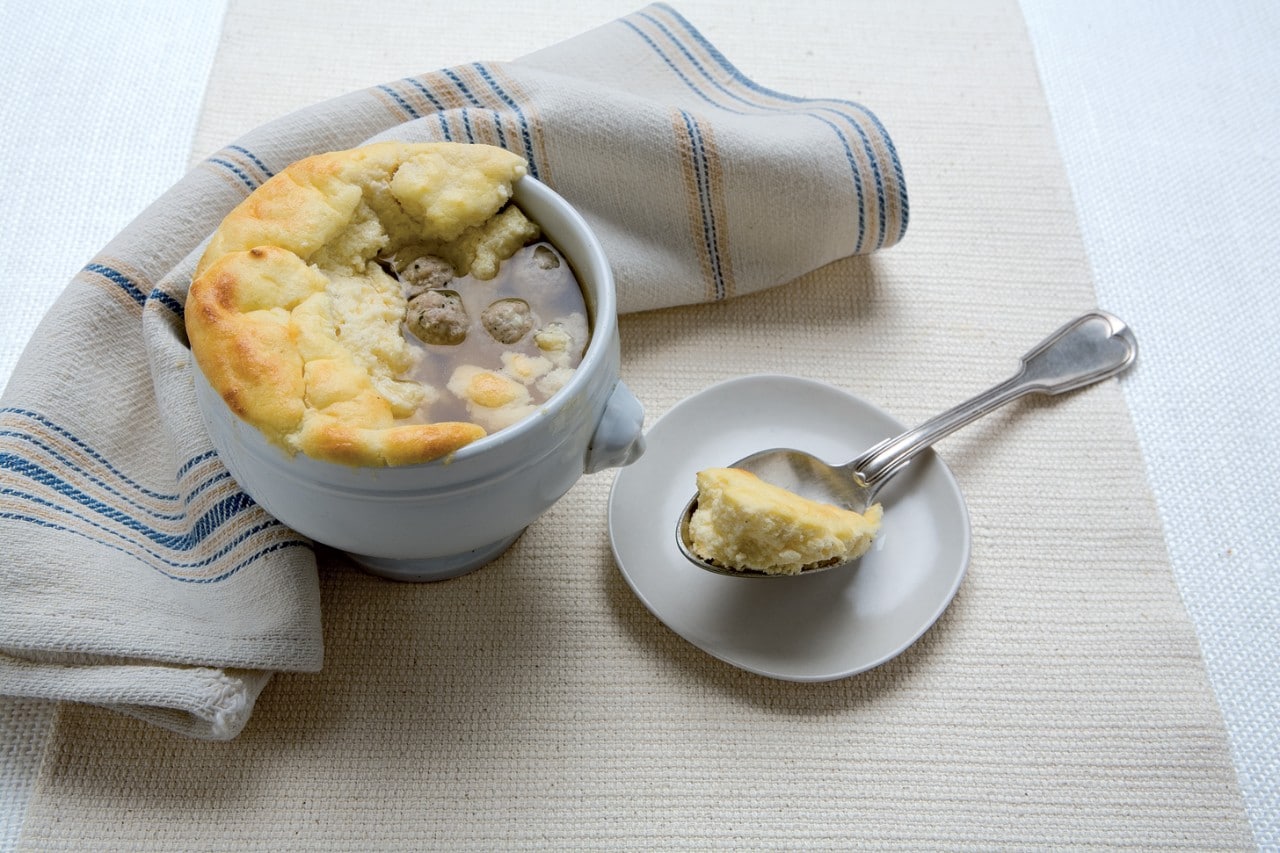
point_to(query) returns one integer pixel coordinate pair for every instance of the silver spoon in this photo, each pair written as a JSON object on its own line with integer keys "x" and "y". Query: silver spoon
{"x": 1092, "y": 347}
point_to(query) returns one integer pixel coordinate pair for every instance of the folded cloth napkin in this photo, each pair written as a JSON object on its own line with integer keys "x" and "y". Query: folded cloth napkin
{"x": 136, "y": 575}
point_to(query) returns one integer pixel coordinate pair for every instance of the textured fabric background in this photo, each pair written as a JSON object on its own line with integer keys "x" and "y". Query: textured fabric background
{"x": 900, "y": 745}
{"x": 1203, "y": 400}
{"x": 102, "y": 130}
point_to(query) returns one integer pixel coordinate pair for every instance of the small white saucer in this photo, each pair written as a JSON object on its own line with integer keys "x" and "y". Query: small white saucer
{"x": 818, "y": 627}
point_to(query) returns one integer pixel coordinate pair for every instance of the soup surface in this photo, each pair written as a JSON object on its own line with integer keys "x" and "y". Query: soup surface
{"x": 491, "y": 351}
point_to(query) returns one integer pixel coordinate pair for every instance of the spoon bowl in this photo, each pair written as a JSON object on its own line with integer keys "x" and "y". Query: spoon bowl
{"x": 1090, "y": 348}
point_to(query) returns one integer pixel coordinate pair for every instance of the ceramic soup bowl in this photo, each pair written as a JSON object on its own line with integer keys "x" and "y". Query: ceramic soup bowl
{"x": 444, "y": 518}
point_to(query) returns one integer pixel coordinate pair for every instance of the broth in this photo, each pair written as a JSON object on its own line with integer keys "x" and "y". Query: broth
{"x": 516, "y": 341}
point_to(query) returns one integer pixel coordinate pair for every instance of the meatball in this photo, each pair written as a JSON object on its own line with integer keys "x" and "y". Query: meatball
{"x": 426, "y": 273}
{"x": 507, "y": 320}
{"x": 438, "y": 317}
{"x": 545, "y": 258}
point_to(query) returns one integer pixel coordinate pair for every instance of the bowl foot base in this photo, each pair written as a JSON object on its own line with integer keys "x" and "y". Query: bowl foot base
{"x": 423, "y": 569}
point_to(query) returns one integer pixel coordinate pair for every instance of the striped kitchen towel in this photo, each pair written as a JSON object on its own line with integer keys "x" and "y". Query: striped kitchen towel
{"x": 135, "y": 574}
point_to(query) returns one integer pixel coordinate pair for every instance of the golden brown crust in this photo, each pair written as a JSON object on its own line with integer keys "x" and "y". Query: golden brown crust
{"x": 406, "y": 444}
{"x": 297, "y": 329}
{"x": 248, "y": 353}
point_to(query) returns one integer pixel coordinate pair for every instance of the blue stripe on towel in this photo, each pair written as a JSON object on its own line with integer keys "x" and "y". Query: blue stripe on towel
{"x": 254, "y": 158}
{"x": 439, "y": 107}
{"x": 758, "y": 108}
{"x": 222, "y": 512}
{"x": 471, "y": 97}
{"x": 194, "y": 461}
{"x": 147, "y": 544}
{"x": 112, "y": 522}
{"x": 244, "y": 176}
{"x": 400, "y": 101}
{"x": 667, "y": 60}
{"x": 275, "y": 546}
{"x": 134, "y": 290}
{"x": 168, "y": 301}
{"x": 457, "y": 82}
{"x": 219, "y": 475}
{"x": 135, "y": 545}
{"x": 466, "y": 124}
{"x": 813, "y": 112}
{"x": 526, "y": 137}
{"x": 426, "y": 93}
{"x": 119, "y": 279}
{"x": 721, "y": 60}
{"x": 703, "y": 180}
{"x": 100, "y": 459}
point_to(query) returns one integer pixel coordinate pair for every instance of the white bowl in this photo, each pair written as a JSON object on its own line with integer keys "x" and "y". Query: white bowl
{"x": 444, "y": 518}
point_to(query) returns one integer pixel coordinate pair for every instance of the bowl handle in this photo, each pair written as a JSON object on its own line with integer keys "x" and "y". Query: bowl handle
{"x": 617, "y": 440}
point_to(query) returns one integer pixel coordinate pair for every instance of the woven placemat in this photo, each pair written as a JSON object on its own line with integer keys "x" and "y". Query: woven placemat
{"x": 1060, "y": 701}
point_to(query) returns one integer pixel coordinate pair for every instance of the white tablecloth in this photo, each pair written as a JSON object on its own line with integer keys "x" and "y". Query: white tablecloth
{"x": 95, "y": 130}
{"x": 1167, "y": 121}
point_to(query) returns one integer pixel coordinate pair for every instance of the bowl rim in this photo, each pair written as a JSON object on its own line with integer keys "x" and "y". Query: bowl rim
{"x": 601, "y": 302}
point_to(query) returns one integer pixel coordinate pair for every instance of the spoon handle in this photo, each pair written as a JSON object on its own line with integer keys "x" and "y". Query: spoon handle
{"x": 1092, "y": 347}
